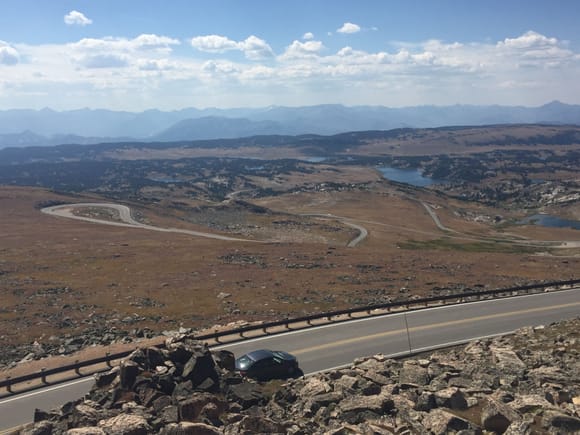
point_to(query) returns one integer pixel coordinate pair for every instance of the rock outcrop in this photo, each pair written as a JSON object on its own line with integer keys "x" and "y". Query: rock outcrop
{"x": 526, "y": 383}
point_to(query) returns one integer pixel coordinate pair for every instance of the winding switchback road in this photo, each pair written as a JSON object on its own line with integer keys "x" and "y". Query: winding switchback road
{"x": 126, "y": 220}
{"x": 335, "y": 345}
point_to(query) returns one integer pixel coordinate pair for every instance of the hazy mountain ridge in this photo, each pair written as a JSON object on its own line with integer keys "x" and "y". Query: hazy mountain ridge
{"x": 45, "y": 127}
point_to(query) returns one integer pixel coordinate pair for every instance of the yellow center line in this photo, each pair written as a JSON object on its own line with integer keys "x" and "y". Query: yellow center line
{"x": 426, "y": 327}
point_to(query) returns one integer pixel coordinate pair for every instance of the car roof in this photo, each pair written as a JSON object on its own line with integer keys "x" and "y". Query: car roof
{"x": 260, "y": 354}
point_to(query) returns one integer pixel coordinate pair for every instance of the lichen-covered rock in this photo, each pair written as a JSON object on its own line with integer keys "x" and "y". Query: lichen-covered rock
{"x": 189, "y": 428}
{"x": 497, "y": 416}
{"x": 190, "y": 409}
{"x": 250, "y": 425}
{"x": 413, "y": 374}
{"x": 452, "y": 398}
{"x": 439, "y": 421}
{"x": 126, "y": 424}
{"x": 561, "y": 422}
{"x": 379, "y": 404}
{"x": 86, "y": 431}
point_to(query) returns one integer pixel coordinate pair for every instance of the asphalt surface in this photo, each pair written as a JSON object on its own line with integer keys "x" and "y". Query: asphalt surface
{"x": 335, "y": 345}
{"x": 66, "y": 211}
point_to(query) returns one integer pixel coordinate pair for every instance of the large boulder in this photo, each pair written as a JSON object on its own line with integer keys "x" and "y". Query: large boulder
{"x": 452, "y": 398}
{"x": 200, "y": 369}
{"x": 558, "y": 422}
{"x": 497, "y": 416}
{"x": 250, "y": 425}
{"x": 189, "y": 428}
{"x": 199, "y": 404}
{"x": 413, "y": 374}
{"x": 126, "y": 424}
{"x": 440, "y": 422}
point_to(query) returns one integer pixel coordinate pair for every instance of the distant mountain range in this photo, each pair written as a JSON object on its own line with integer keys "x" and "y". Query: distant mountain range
{"x": 19, "y": 128}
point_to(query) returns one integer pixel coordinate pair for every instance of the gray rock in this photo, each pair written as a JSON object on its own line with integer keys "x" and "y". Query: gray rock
{"x": 39, "y": 428}
{"x": 497, "y": 416}
{"x": 452, "y": 398}
{"x": 519, "y": 428}
{"x": 106, "y": 379}
{"x": 413, "y": 374}
{"x": 439, "y": 421}
{"x": 125, "y": 424}
{"x": 425, "y": 402}
{"x": 86, "y": 431}
{"x": 250, "y": 425}
{"x": 189, "y": 428}
{"x": 379, "y": 404}
{"x": 246, "y": 394}
{"x": 559, "y": 422}
{"x": 128, "y": 371}
{"x": 530, "y": 403}
{"x": 190, "y": 409}
{"x": 225, "y": 360}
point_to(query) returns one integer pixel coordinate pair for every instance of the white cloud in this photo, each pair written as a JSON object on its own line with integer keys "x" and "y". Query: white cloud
{"x": 220, "y": 67}
{"x": 308, "y": 36}
{"x": 76, "y": 18}
{"x": 253, "y": 47}
{"x": 515, "y": 70}
{"x": 529, "y": 39}
{"x": 155, "y": 65}
{"x": 213, "y": 43}
{"x": 104, "y": 61}
{"x": 141, "y": 42}
{"x": 349, "y": 28}
{"x": 8, "y": 55}
{"x": 152, "y": 41}
{"x": 302, "y": 50}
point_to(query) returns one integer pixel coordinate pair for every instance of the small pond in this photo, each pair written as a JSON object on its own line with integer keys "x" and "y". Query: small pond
{"x": 409, "y": 176}
{"x": 547, "y": 220}
{"x": 166, "y": 180}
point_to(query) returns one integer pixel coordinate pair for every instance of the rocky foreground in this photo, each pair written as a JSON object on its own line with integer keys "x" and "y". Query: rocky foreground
{"x": 527, "y": 383}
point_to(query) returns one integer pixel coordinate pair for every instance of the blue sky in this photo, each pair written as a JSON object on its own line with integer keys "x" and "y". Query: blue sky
{"x": 136, "y": 55}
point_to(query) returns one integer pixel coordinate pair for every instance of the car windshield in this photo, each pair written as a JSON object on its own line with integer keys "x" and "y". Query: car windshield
{"x": 244, "y": 361}
{"x": 282, "y": 355}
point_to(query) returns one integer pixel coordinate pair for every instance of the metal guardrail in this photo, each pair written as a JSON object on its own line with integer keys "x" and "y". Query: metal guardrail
{"x": 419, "y": 303}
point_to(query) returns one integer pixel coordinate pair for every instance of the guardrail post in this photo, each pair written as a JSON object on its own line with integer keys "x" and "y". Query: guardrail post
{"x": 108, "y": 355}
{"x": 9, "y": 386}
{"x": 287, "y": 324}
{"x": 43, "y": 375}
{"x": 77, "y": 368}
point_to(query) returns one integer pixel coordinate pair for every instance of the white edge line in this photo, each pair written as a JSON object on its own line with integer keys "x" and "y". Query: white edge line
{"x": 418, "y": 350}
{"x": 371, "y": 318}
{"x": 44, "y": 390}
{"x": 312, "y": 328}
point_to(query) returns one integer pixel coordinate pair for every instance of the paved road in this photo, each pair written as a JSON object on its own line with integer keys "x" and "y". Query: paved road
{"x": 127, "y": 220}
{"x": 434, "y": 217}
{"x": 337, "y": 345}
{"x": 362, "y": 231}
